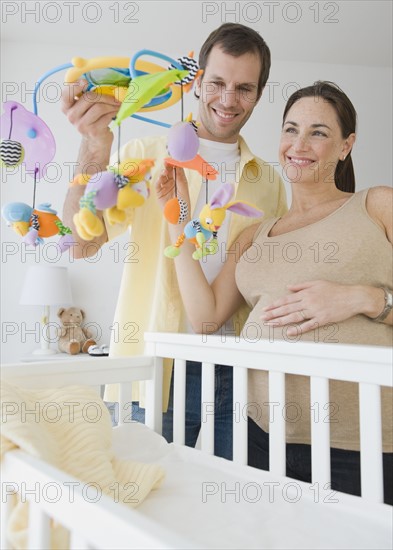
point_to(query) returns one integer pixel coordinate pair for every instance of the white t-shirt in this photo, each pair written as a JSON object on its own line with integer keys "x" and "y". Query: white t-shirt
{"x": 225, "y": 158}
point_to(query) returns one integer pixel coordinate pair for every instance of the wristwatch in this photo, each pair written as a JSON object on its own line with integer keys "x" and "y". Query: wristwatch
{"x": 388, "y": 305}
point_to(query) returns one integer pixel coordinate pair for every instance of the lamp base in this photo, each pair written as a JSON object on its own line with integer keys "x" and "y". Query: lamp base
{"x": 41, "y": 351}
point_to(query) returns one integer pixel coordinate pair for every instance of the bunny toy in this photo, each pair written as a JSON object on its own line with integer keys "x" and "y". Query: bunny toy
{"x": 202, "y": 231}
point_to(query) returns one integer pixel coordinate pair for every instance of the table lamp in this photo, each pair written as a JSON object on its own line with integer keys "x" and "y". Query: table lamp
{"x": 46, "y": 286}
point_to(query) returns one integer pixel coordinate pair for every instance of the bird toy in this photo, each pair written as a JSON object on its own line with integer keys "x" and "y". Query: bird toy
{"x": 124, "y": 185}
{"x": 35, "y": 224}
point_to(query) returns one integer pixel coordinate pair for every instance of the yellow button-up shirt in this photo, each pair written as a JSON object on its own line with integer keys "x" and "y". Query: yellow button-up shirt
{"x": 149, "y": 297}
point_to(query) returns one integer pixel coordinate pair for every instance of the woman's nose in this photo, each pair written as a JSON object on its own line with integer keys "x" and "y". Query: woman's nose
{"x": 300, "y": 143}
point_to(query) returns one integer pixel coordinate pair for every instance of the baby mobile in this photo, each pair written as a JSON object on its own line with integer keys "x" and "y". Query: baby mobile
{"x": 140, "y": 86}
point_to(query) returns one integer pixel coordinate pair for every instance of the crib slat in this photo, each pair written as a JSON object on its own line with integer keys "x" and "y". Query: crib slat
{"x": 7, "y": 503}
{"x": 320, "y": 431}
{"x": 277, "y": 451}
{"x": 179, "y": 402}
{"x": 39, "y": 528}
{"x": 371, "y": 442}
{"x": 153, "y": 409}
{"x": 207, "y": 412}
{"x": 240, "y": 390}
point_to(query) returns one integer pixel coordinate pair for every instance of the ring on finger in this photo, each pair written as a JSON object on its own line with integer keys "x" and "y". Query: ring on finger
{"x": 303, "y": 314}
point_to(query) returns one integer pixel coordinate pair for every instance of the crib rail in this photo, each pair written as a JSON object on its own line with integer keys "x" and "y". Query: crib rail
{"x": 87, "y": 519}
{"x": 370, "y": 366}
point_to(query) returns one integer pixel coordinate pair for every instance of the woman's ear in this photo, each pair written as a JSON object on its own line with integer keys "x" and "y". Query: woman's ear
{"x": 348, "y": 144}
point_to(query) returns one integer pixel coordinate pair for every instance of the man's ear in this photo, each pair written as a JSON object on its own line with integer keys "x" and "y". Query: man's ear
{"x": 198, "y": 84}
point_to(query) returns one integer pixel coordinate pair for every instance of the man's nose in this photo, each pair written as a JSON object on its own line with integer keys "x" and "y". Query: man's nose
{"x": 229, "y": 96}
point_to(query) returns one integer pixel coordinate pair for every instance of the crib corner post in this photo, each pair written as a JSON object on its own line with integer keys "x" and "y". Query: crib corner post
{"x": 154, "y": 397}
{"x": 7, "y": 503}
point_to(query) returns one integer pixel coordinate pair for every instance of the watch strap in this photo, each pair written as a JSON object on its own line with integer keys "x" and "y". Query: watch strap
{"x": 387, "y": 307}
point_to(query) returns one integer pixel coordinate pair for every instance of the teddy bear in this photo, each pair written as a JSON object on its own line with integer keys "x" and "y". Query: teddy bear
{"x": 73, "y": 338}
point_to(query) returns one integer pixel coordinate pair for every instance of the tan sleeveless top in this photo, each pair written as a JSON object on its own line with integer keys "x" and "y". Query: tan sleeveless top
{"x": 346, "y": 247}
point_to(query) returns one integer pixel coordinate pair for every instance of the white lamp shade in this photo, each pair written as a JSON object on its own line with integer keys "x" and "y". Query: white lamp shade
{"x": 46, "y": 286}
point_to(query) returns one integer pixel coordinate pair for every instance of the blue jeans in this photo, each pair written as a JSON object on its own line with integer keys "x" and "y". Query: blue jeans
{"x": 223, "y": 431}
{"x": 345, "y": 465}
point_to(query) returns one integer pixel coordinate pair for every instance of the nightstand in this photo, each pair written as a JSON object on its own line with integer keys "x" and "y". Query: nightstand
{"x": 31, "y": 358}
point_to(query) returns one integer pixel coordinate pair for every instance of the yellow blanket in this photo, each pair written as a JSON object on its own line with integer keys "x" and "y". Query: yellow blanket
{"x": 69, "y": 428}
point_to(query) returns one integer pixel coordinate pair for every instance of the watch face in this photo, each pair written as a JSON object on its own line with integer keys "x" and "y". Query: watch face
{"x": 388, "y": 305}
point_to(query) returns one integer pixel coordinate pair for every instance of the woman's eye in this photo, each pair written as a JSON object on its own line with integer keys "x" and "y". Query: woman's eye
{"x": 318, "y": 133}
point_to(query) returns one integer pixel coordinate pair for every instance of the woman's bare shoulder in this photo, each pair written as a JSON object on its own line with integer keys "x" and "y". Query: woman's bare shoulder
{"x": 379, "y": 206}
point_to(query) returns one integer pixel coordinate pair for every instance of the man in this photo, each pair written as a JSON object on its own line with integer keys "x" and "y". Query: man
{"x": 236, "y": 64}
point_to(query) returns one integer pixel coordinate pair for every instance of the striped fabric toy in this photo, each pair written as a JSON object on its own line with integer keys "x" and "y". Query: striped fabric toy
{"x": 11, "y": 152}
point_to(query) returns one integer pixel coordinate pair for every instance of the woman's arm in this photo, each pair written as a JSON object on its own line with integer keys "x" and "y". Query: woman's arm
{"x": 316, "y": 303}
{"x": 207, "y": 307}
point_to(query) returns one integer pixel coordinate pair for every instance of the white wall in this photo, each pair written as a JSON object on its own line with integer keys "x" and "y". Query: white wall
{"x": 95, "y": 282}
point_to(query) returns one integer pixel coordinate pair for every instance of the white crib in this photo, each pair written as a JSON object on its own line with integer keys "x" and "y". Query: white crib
{"x": 205, "y": 501}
